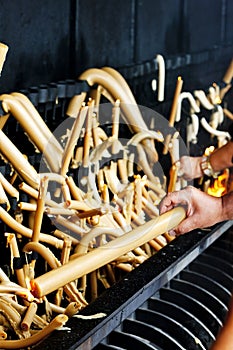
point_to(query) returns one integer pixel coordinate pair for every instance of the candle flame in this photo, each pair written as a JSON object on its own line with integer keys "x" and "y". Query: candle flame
{"x": 219, "y": 187}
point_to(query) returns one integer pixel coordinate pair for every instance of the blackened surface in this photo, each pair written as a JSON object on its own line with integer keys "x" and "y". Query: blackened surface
{"x": 37, "y": 34}
{"x": 55, "y": 40}
{"x": 134, "y": 289}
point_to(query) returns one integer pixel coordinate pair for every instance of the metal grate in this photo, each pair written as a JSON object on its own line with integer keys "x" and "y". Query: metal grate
{"x": 177, "y": 299}
{"x": 188, "y": 311}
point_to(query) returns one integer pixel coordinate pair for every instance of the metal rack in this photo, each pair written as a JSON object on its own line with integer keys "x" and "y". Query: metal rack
{"x": 169, "y": 298}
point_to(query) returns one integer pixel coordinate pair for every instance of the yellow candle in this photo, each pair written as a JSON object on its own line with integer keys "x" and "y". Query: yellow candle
{"x": 39, "y": 210}
{"x": 35, "y": 129}
{"x": 11, "y": 239}
{"x": 172, "y": 117}
{"x": 29, "y": 315}
{"x": 178, "y": 89}
{"x": 122, "y": 168}
{"x": 27, "y": 206}
{"x": 118, "y": 90}
{"x": 100, "y": 256}
{"x": 3, "y": 197}
{"x": 57, "y": 322}
{"x": 88, "y": 134}
{"x": 75, "y": 104}
{"x": 173, "y": 178}
{"x": 11, "y": 190}
{"x": 71, "y": 143}
{"x": 3, "y": 51}
{"x": 26, "y": 232}
{"x": 18, "y": 161}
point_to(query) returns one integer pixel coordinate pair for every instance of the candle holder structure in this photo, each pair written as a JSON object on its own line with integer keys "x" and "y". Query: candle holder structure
{"x": 82, "y": 217}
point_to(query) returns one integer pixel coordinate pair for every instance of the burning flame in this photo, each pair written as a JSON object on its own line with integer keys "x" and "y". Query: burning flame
{"x": 219, "y": 187}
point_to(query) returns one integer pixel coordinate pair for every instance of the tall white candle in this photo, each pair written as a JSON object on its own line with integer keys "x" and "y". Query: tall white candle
{"x": 161, "y": 83}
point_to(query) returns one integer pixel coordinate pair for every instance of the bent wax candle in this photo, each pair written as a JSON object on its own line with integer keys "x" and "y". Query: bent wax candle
{"x": 98, "y": 257}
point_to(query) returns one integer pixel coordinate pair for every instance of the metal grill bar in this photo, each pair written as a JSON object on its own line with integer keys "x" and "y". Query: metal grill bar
{"x": 189, "y": 310}
{"x": 149, "y": 281}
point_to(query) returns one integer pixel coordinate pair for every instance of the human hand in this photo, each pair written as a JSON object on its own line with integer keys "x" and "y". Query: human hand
{"x": 190, "y": 167}
{"x": 202, "y": 210}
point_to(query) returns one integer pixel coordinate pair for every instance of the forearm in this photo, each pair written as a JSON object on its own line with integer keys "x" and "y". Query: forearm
{"x": 222, "y": 157}
{"x": 227, "y": 206}
{"x": 224, "y": 339}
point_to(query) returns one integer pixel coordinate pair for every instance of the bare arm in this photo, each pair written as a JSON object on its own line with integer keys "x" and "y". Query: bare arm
{"x": 224, "y": 339}
{"x": 220, "y": 159}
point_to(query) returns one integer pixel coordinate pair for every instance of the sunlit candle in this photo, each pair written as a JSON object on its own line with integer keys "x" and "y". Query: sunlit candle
{"x": 129, "y": 203}
{"x": 3, "y": 197}
{"x": 155, "y": 245}
{"x": 138, "y": 194}
{"x": 172, "y": 117}
{"x": 154, "y": 210}
{"x": 27, "y": 206}
{"x": 75, "y": 191}
{"x": 92, "y": 212}
{"x": 100, "y": 256}
{"x": 29, "y": 315}
{"x": 75, "y": 104}
{"x": 40, "y": 209}
{"x": 122, "y": 168}
{"x": 173, "y": 178}
{"x": 3, "y": 334}
{"x": 118, "y": 91}
{"x": 88, "y": 134}
{"x": 11, "y": 190}
{"x": 65, "y": 255}
{"x": 62, "y": 236}
{"x": 58, "y": 211}
{"x": 29, "y": 190}
{"x": 27, "y": 115}
{"x": 11, "y": 240}
{"x": 130, "y": 164}
{"x": 179, "y": 84}
{"x": 65, "y": 191}
{"x": 105, "y": 193}
{"x": 71, "y": 309}
{"x": 57, "y": 322}
{"x": 72, "y": 141}
{"x": 27, "y": 232}
{"x": 15, "y": 157}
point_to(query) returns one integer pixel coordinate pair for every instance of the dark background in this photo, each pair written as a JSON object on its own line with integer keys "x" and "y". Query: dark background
{"x": 52, "y": 41}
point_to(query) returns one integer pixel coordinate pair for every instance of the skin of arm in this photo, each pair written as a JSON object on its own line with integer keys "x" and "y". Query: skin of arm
{"x": 220, "y": 159}
{"x": 202, "y": 210}
{"x": 224, "y": 340}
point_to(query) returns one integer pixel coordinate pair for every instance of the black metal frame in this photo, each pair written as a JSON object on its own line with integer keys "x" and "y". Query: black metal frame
{"x": 123, "y": 298}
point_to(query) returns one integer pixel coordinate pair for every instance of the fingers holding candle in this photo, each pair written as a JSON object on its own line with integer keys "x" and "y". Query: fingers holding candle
{"x": 195, "y": 202}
